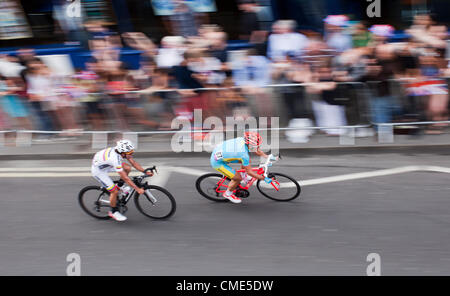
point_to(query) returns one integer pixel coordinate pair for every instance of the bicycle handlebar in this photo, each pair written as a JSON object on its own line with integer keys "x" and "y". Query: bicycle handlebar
{"x": 153, "y": 168}
{"x": 266, "y": 164}
{"x": 142, "y": 177}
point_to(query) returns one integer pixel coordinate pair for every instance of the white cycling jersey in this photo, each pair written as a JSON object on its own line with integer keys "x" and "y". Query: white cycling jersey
{"x": 108, "y": 160}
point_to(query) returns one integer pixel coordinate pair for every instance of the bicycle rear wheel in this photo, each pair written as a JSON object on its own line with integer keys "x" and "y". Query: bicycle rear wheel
{"x": 155, "y": 203}
{"x": 289, "y": 188}
{"x": 208, "y": 184}
{"x": 95, "y": 202}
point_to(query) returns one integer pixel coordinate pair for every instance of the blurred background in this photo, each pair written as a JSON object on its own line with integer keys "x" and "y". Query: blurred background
{"x": 68, "y": 68}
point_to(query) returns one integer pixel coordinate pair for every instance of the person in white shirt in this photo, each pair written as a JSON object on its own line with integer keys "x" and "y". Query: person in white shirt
{"x": 112, "y": 160}
{"x": 284, "y": 40}
{"x": 171, "y": 52}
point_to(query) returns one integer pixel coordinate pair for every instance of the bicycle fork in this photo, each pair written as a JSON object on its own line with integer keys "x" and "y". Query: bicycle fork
{"x": 150, "y": 196}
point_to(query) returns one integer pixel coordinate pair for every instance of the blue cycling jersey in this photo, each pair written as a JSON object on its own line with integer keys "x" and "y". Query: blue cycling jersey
{"x": 234, "y": 150}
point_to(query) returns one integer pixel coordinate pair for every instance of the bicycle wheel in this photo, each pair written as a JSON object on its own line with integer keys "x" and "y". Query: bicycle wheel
{"x": 155, "y": 203}
{"x": 289, "y": 188}
{"x": 95, "y": 202}
{"x": 207, "y": 186}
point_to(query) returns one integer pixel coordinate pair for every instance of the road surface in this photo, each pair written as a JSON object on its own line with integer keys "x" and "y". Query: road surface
{"x": 401, "y": 214}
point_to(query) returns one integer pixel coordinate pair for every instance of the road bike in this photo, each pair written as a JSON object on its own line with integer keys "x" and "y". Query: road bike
{"x": 155, "y": 203}
{"x": 282, "y": 188}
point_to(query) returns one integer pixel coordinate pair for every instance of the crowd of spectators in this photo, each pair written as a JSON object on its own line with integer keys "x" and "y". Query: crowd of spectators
{"x": 350, "y": 74}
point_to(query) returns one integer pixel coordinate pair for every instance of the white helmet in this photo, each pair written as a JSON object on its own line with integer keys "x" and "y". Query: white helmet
{"x": 124, "y": 146}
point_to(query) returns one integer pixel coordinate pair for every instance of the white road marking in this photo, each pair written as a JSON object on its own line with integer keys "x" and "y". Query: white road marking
{"x": 164, "y": 173}
{"x": 362, "y": 175}
{"x": 188, "y": 171}
{"x": 46, "y": 169}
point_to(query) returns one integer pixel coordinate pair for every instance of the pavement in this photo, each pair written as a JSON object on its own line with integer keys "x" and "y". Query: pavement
{"x": 161, "y": 145}
{"x": 391, "y": 203}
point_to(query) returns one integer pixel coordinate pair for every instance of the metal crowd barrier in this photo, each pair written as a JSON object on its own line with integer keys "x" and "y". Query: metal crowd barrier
{"x": 100, "y": 138}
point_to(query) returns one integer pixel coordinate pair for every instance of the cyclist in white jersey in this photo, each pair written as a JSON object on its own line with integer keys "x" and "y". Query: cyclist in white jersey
{"x": 112, "y": 160}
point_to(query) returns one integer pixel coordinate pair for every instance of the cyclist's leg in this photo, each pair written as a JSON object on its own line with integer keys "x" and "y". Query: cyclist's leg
{"x": 223, "y": 168}
{"x": 108, "y": 184}
{"x": 114, "y": 192}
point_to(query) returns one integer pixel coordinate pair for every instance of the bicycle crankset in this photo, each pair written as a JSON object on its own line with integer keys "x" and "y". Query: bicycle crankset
{"x": 123, "y": 209}
{"x": 242, "y": 193}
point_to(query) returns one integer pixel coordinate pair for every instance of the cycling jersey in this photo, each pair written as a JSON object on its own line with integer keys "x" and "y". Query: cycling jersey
{"x": 105, "y": 161}
{"x": 108, "y": 159}
{"x": 230, "y": 151}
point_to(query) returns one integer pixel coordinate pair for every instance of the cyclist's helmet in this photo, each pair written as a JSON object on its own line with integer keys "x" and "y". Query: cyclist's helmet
{"x": 252, "y": 139}
{"x": 124, "y": 146}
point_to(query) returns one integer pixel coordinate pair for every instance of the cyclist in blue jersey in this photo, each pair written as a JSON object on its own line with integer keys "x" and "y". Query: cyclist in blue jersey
{"x": 237, "y": 151}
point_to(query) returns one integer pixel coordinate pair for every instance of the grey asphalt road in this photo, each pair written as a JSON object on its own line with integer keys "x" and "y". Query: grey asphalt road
{"x": 330, "y": 230}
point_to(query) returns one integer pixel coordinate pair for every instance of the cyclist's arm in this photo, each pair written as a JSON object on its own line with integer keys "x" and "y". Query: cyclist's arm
{"x": 136, "y": 165}
{"x": 251, "y": 173}
{"x": 127, "y": 180}
{"x": 260, "y": 153}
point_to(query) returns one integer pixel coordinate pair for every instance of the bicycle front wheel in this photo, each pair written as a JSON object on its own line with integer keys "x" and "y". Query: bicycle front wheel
{"x": 155, "y": 203}
{"x": 95, "y": 202}
{"x": 288, "y": 190}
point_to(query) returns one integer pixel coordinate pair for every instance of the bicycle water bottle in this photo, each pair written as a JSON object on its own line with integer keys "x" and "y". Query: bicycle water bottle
{"x": 126, "y": 190}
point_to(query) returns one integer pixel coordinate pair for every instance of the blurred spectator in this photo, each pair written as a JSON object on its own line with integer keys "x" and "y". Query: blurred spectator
{"x": 141, "y": 42}
{"x": 326, "y": 113}
{"x": 335, "y": 35}
{"x": 252, "y": 70}
{"x": 116, "y": 87}
{"x": 251, "y": 27}
{"x": 12, "y": 104}
{"x": 40, "y": 94}
{"x": 171, "y": 52}
{"x": 188, "y": 81}
{"x": 291, "y": 72}
{"x": 162, "y": 100}
{"x": 284, "y": 40}
{"x": 89, "y": 89}
{"x": 382, "y": 67}
{"x": 430, "y": 42}
{"x": 230, "y": 102}
{"x": 248, "y": 20}
{"x": 218, "y": 46}
{"x": 252, "y": 73}
{"x": 183, "y": 73}
{"x": 361, "y": 37}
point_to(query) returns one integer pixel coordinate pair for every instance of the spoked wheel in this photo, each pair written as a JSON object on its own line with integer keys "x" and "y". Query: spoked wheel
{"x": 208, "y": 184}
{"x": 155, "y": 203}
{"x": 288, "y": 188}
{"x": 95, "y": 202}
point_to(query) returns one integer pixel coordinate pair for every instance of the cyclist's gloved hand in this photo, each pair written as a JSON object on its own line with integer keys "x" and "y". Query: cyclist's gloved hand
{"x": 268, "y": 180}
{"x": 273, "y": 157}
